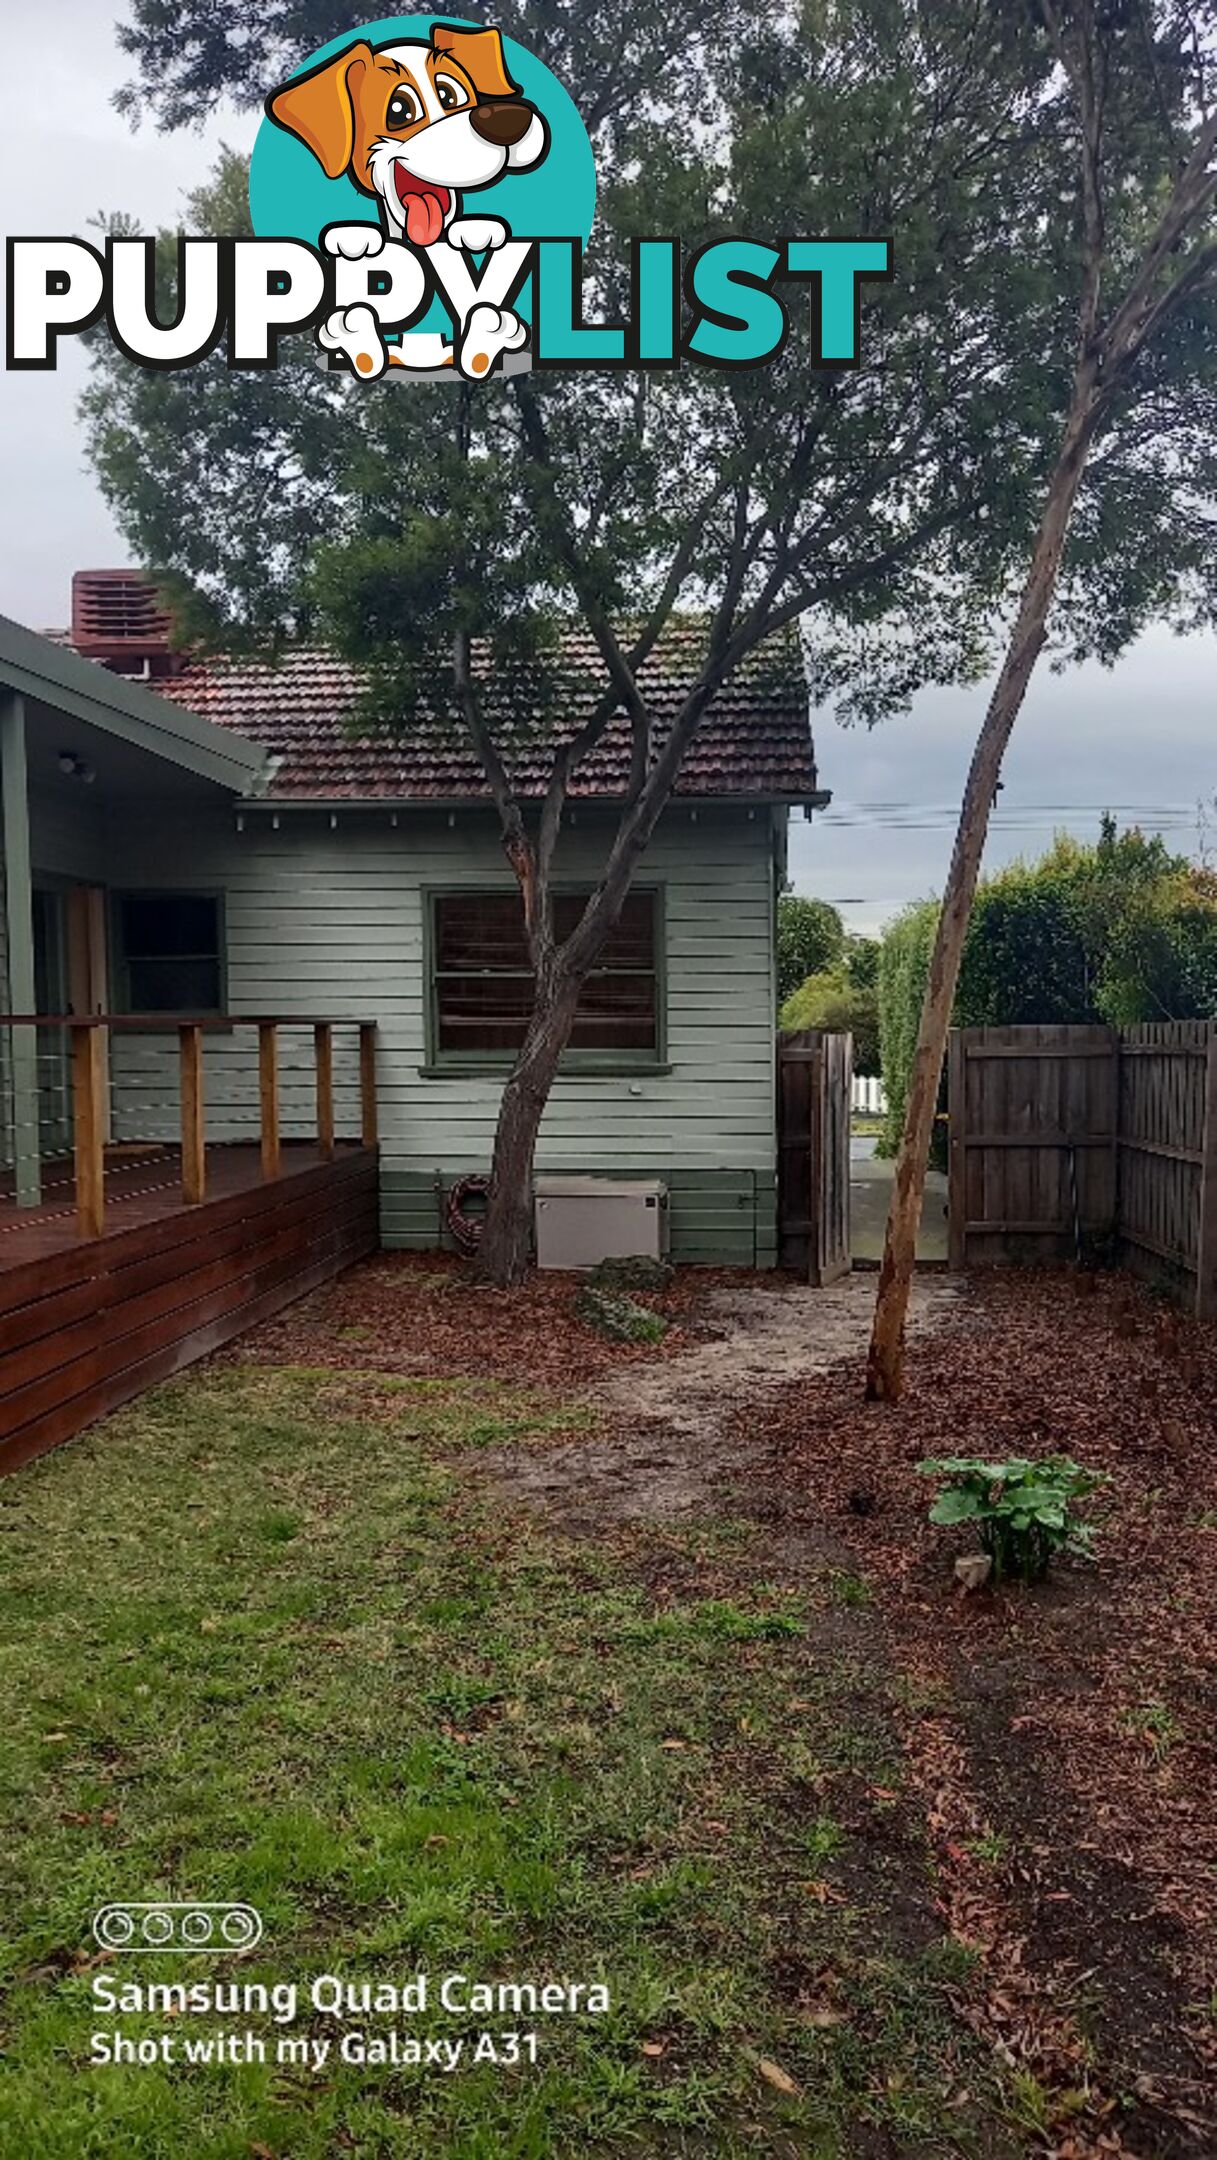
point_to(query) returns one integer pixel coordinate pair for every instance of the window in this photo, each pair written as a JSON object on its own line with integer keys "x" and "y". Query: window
{"x": 483, "y": 986}
{"x": 168, "y": 952}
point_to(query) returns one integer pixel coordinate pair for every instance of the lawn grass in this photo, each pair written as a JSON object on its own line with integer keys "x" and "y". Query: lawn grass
{"x": 267, "y": 1636}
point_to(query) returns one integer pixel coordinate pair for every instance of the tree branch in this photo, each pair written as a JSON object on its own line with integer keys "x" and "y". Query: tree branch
{"x": 516, "y": 844}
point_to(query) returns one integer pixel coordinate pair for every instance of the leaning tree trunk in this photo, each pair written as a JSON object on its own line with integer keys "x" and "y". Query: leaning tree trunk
{"x": 506, "y": 1248}
{"x": 885, "y": 1364}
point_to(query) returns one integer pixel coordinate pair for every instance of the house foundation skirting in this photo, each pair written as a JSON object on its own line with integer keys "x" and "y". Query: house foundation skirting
{"x": 721, "y": 1218}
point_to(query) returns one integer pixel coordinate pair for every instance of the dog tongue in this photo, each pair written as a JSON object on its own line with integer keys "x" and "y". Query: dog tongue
{"x": 424, "y": 219}
{"x": 424, "y": 208}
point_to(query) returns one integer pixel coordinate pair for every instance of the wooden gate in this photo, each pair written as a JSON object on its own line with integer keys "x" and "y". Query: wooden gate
{"x": 815, "y": 1071}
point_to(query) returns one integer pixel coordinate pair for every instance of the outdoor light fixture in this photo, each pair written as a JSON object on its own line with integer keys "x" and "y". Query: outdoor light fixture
{"x": 75, "y": 768}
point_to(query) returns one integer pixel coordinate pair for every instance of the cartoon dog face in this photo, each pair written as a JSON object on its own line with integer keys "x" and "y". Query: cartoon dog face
{"x": 415, "y": 124}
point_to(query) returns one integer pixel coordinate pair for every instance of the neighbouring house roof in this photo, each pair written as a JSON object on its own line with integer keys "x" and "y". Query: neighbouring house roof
{"x": 47, "y": 672}
{"x": 755, "y": 741}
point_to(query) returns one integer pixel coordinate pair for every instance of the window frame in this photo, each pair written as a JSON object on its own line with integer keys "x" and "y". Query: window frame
{"x": 119, "y": 958}
{"x": 445, "y": 1063}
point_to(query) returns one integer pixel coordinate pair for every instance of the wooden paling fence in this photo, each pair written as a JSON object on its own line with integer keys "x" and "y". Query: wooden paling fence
{"x": 1062, "y": 1138}
{"x": 1168, "y": 1151}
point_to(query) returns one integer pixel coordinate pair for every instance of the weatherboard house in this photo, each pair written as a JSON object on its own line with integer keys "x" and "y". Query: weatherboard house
{"x": 247, "y": 949}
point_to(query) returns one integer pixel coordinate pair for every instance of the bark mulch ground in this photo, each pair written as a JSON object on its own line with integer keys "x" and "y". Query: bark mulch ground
{"x": 424, "y": 1315}
{"x": 1063, "y": 1736}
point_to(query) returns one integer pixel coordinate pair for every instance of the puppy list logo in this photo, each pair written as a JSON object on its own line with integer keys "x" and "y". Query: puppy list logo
{"x": 429, "y": 158}
{"x": 422, "y": 194}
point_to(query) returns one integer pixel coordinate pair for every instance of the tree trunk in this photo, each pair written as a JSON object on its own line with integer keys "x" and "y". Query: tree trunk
{"x": 885, "y": 1364}
{"x": 506, "y": 1248}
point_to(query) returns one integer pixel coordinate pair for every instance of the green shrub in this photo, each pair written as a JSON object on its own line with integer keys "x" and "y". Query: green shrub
{"x": 833, "y": 1000}
{"x": 904, "y": 966}
{"x": 1161, "y": 958}
{"x": 618, "y": 1318}
{"x": 1027, "y": 960}
{"x": 862, "y": 962}
{"x": 1022, "y": 1510}
{"x": 810, "y": 938}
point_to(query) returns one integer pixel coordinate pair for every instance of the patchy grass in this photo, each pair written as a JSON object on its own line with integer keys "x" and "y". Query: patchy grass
{"x": 266, "y": 1638}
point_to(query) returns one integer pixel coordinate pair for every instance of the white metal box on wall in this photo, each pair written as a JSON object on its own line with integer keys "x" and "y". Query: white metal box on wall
{"x": 581, "y": 1220}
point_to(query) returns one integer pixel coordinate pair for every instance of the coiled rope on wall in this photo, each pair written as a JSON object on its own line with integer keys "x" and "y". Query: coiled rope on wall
{"x": 466, "y": 1229}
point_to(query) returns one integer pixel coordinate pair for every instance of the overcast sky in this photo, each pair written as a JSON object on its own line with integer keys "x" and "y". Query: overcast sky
{"x": 1141, "y": 740}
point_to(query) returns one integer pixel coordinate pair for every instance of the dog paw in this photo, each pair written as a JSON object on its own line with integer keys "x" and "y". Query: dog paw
{"x": 476, "y": 234}
{"x": 355, "y": 332}
{"x": 488, "y": 332}
{"x": 353, "y": 242}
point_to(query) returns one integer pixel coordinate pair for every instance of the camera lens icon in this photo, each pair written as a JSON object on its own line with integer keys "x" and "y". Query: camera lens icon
{"x": 114, "y": 1928}
{"x": 240, "y": 1927}
{"x": 176, "y": 1924}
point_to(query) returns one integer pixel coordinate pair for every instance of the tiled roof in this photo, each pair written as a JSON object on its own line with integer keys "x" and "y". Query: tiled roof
{"x": 755, "y": 740}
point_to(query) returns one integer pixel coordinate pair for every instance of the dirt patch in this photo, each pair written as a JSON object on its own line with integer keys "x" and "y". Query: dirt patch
{"x": 669, "y": 1431}
{"x": 669, "y": 1419}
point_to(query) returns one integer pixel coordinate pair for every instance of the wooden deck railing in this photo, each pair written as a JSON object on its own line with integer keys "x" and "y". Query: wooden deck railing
{"x": 90, "y": 1038}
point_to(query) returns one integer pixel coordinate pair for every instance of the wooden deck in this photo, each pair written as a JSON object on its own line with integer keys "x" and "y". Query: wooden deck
{"x": 88, "y": 1323}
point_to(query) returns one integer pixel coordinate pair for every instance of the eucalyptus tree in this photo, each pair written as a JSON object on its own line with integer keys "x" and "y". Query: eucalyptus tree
{"x": 1135, "y": 91}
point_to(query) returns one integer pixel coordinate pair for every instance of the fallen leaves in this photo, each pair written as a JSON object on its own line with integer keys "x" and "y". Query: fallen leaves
{"x": 780, "y": 2079}
{"x": 425, "y": 1314}
{"x": 1011, "y": 1702}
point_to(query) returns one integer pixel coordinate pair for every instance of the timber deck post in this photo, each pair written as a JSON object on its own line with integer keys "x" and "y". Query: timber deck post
{"x": 194, "y": 1144}
{"x": 89, "y": 1113}
{"x": 19, "y": 912}
{"x": 369, "y": 1122}
{"x": 323, "y": 1055}
{"x": 268, "y": 1096}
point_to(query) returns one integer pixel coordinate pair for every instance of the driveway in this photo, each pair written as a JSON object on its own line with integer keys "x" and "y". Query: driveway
{"x": 870, "y": 1192}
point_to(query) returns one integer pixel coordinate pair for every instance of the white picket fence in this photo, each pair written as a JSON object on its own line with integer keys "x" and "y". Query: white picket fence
{"x": 868, "y": 1096}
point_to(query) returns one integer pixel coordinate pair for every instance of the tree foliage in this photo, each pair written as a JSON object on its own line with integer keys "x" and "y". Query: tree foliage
{"x": 862, "y": 961}
{"x": 1040, "y": 932}
{"x": 832, "y": 999}
{"x": 191, "y": 55}
{"x": 1161, "y": 958}
{"x": 810, "y": 938}
{"x": 904, "y": 964}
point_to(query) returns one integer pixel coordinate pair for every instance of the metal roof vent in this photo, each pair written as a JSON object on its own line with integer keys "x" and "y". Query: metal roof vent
{"x": 118, "y": 620}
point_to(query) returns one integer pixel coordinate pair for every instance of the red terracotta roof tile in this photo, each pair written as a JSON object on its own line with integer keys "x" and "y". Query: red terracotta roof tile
{"x": 755, "y": 740}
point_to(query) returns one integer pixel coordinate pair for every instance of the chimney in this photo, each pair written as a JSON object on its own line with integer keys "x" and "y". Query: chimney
{"x": 117, "y": 620}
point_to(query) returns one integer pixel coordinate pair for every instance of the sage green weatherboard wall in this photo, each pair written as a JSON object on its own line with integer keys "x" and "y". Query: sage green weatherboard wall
{"x": 332, "y": 918}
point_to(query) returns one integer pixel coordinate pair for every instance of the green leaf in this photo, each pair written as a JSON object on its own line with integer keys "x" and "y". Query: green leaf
{"x": 956, "y": 1507}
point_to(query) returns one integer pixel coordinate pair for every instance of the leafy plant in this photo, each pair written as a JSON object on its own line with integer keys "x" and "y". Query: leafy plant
{"x": 1155, "y": 1725}
{"x": 833, "y": 1000}
{"x": 1023, "y": 1511}
{"x": 810, "y": 941}
{"x": 904, "y": 965}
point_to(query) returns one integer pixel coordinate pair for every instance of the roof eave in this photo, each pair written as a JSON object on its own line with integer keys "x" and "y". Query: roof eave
{"x": 788, "y": 799}
{"x": 55, "y": 675}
